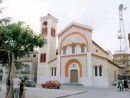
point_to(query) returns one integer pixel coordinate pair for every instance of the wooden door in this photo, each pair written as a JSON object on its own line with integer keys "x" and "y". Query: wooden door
{"x": 74, "y": 76}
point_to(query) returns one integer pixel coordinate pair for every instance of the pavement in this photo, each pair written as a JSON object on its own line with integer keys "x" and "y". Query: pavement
{"x": 73, "y": 91}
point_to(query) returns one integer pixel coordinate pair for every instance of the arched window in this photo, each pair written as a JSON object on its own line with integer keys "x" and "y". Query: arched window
{"x": 82, "y": 48}
{"x": 45, "y": 23}
{"x": 44, "y": 28}
{"x": 100, "y": 70}
{"x": 43, "y": 57}
{"x": 45, "y": 31}
{"x": 64, "y": 50}
{"x": 53, "y": 71}
{"x": 73, "y": 48}
{"x": 53, "y": 32}
{"x": 96, "y": 73}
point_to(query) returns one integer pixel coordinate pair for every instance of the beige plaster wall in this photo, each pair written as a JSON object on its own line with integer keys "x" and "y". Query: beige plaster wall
{"x": 108, "y": 77}
{"x": 42, "y": 71}
{"x": 52, "y": 64}
{"x": 111, "y": 68}
{"x": 97, "y": 61}
{"x": 100, "y": 80}
{"x": 98, "y": 51}
{"x": 80, "y": 58}
{"x": 76, "y": 37}
{"x": 52, "y": 48}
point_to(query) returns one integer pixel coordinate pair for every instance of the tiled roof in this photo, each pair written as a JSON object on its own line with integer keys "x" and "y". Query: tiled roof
{"x": 76, "y": 24}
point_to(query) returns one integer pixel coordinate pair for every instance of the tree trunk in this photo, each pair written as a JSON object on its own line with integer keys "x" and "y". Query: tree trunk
{"x": 9, "y": 81}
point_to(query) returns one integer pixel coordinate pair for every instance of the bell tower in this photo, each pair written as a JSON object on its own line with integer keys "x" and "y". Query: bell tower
{"x": 48, "y": 30}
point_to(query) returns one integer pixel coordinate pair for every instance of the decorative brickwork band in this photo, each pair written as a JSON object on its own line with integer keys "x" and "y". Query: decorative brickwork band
{"x": 69, "y": 63}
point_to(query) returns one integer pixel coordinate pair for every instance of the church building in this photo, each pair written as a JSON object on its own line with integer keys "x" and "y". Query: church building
{"x": 77, "y": 60}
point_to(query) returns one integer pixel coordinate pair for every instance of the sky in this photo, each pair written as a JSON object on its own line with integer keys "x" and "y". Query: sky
{"x": 101, "y": 15}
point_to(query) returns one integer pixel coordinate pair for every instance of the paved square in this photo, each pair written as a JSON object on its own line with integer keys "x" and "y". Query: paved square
{"x": 72, "y": 91}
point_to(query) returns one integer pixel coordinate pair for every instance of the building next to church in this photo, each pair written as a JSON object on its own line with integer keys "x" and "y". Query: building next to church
{"x": 123, "y": 60}
{"x": 77, "y": 60}
{"x": 28, "y": 68}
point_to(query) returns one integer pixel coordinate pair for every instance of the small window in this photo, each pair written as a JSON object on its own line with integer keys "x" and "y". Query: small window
{"x": 55, "y": 71}
{"x": 82, "y": 48}
{"x": 44, "y": 28}
{"x": 73, "y": 49}
{"x": 64, "y": 50}
{"x": 45, "y": 23}
{"x": 44, "y": 31}
{"x": 96, "y": 71}
{"x": 100, "y": 70}
{"x": 43, "y": 57}
{"x": 52, "y": 32}
{"x": 96, "y": 50}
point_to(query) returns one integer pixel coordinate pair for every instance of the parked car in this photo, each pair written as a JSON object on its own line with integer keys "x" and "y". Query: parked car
{"x": 51, "y": 84}
{"x": 30, "y": 83}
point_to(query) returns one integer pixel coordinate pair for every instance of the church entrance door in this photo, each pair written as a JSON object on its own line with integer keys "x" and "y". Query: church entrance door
{"x": 74, "y": 76}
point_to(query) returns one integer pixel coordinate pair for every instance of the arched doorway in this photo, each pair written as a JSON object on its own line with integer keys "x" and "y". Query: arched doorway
{"x": 73, "y": 70}
{"x": 72, "y": 61}
{"x": 74, "y": 76}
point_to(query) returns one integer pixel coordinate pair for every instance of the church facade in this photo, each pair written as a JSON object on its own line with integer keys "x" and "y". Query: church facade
{"x": 77, "y": 60}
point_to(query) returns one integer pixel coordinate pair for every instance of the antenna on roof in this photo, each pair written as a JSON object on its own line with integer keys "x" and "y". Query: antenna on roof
{"x": 121, "y": 32}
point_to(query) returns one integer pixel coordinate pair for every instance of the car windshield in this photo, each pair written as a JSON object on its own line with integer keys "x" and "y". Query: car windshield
{"x": 48, "y": 82}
